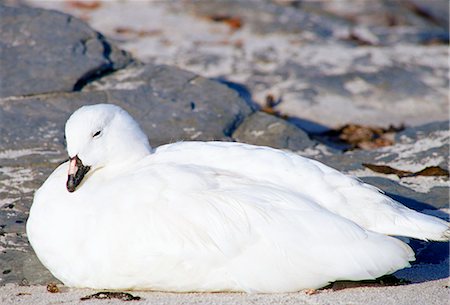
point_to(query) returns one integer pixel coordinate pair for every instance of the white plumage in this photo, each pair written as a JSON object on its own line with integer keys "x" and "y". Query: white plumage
{"x": 210, "y": 216}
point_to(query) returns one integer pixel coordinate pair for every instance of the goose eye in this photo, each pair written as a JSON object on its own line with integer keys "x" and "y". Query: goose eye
{"x": 97, "y": 134}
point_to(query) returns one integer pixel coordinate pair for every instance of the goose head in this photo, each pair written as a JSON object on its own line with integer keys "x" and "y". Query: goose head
{"x": 100, "y": 136}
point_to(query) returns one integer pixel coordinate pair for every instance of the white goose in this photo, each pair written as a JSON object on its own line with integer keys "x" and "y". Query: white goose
{"x": 209, "y": 216}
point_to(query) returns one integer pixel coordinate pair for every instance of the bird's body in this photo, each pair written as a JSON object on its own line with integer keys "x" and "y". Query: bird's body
{"x": 212, "y": 216}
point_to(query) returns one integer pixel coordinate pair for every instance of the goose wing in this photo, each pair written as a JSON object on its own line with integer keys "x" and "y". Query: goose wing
{"x": 224, "y": 231}
{"x": 341, "y": 194}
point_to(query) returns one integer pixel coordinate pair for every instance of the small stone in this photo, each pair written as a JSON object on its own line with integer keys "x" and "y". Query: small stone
{"x": 52, "y": 288}
{"x": 311, "y": 291}
{"x": 268, "y": 130}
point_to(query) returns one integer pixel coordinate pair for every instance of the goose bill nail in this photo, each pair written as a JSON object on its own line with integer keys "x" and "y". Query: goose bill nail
{"x": 76, "y": 173}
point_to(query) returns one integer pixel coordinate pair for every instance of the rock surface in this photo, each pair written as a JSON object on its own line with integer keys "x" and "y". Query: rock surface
{"x": 46, "y": 51}
{"x": 331, "y": 62}
{"x": 173, "y": 104}
{"x": 268, "y": 130}
{"x": 415, "y": 149}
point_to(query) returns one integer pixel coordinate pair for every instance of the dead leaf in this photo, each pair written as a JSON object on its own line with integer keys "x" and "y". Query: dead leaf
{"x": 85, "y": 5}
{"x": 432, "y": 171}
{"x": 238, "y": 44}
{"x": 428, "y": 171}
{"x": 139, "y": 33}
{"x": 234, "y": 23}
{"x": 22, "y": 293}
{"x": 271, "y": 102}
{"x": 111, "y": 295}
{"x": 385, "y": 169}
{"x": 364, "y": 137}
{"x": 124, "y": 30}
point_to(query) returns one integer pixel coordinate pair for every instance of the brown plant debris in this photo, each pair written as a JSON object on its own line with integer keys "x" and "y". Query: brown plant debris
{"x": 428, "y": 171}
{"x": 22, "y": 293}
{"x": 85, "y": 5}
{"x": 111, "y": 295}
{"x": 52, "y": 288}
{"x": 422, "y": 12}
{"x": 235, "y": 23}
{"x": 363, "y": 137}
{"x": 432, "y": 171}
{"x": 24, "y": 282}
{"x": 386, "y": 280}
{"x": 135, "y": 32}
{"x": 269, "y": 107}
{"x": 358, "y": 39}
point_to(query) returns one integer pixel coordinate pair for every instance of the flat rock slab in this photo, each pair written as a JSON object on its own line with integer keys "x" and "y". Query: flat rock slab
{"x": 47, "y": 51}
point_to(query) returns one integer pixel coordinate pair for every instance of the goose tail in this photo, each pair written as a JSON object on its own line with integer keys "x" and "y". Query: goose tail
{"x": 422, "y": 226}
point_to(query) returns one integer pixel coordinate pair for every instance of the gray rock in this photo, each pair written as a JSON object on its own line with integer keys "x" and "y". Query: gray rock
{"x": 374, "y": 62}
{"x": 371, "y": 62}
{"x": 409, "y": 13}
{"x": 421, "y": 132}
{"x": 435, "y": 11}
{"x": 264, "y": 17}
{"x": 174, "y": 105}
{"x": 324, "y": 22}
{"x": 37, "y": 122}
{"x": 46, "y": 51}
{"x": 375, "y": 86}
{"x": 436, "y": 198}
{"x": 267, "y": 130}
{"x": 170, "y": 104}
{"x": 24, "y": 268}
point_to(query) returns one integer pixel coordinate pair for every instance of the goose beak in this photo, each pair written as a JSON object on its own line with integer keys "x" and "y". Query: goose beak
{"x": 76, "y": 173}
